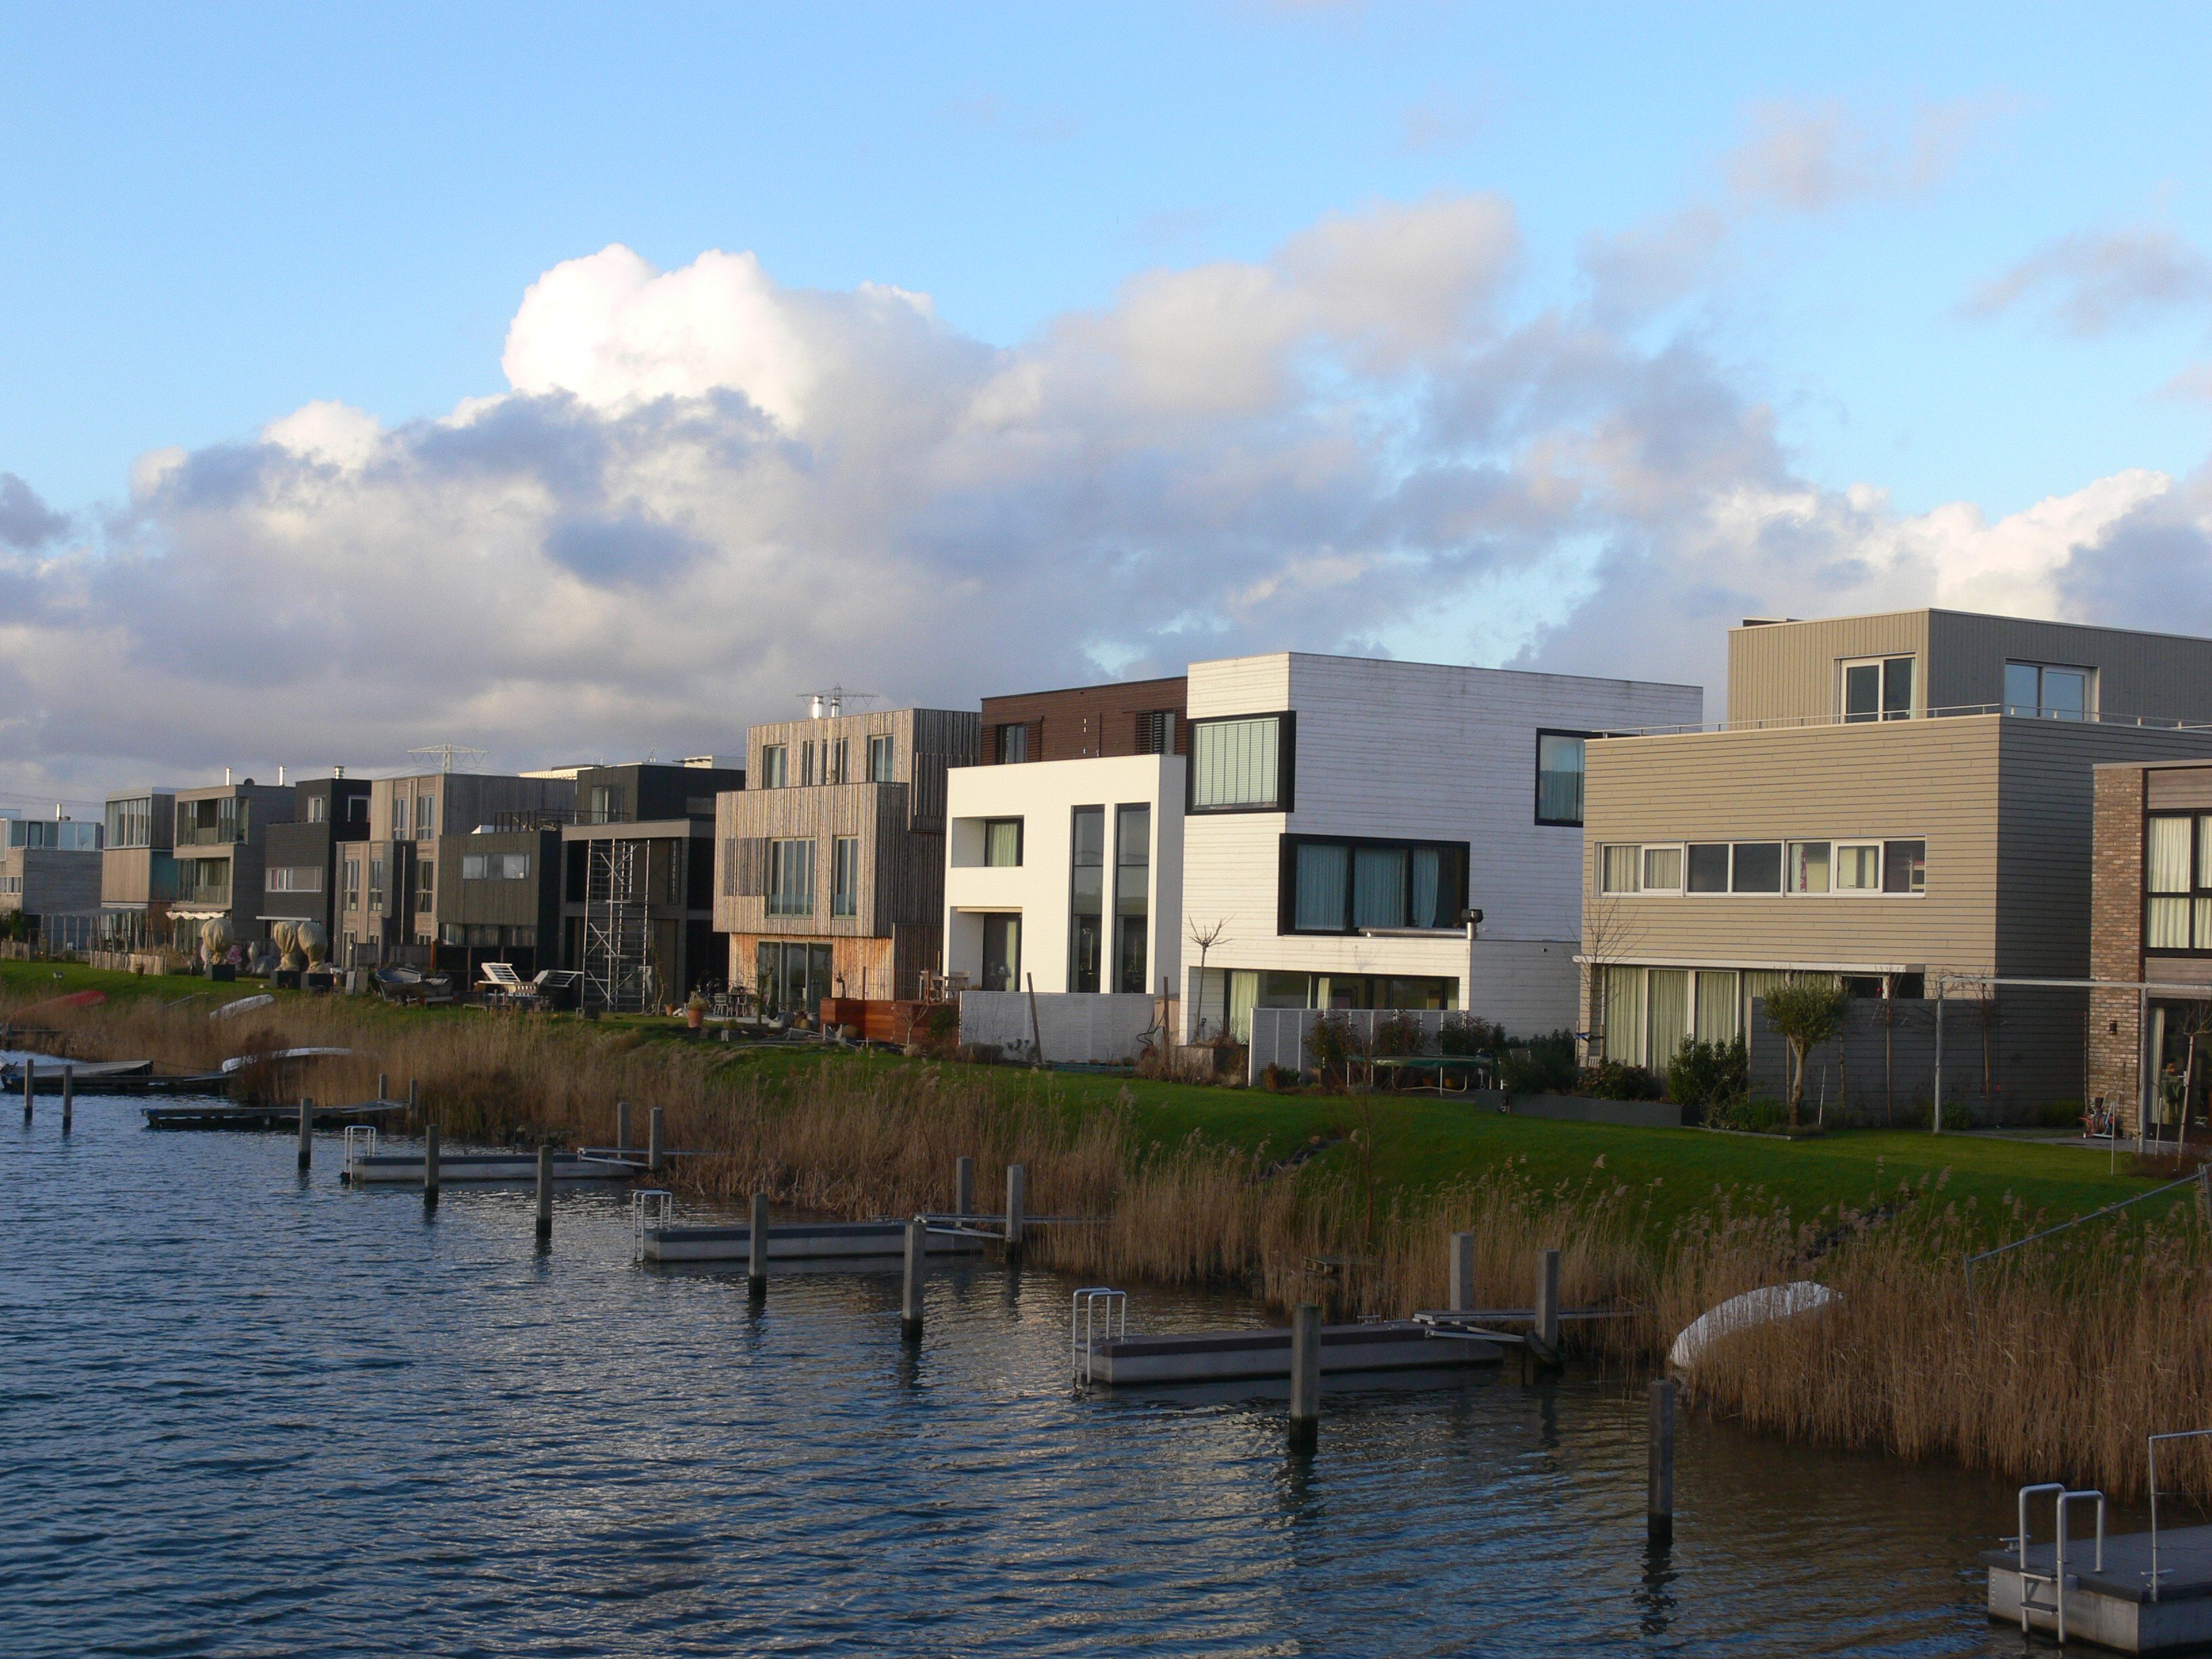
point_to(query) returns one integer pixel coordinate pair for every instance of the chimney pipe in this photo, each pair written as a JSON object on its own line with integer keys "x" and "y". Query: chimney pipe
{"x": 226, "y": 777}
{"x": 280, "y": 777}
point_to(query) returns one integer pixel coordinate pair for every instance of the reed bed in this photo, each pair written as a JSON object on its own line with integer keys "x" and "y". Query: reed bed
{"x": 2068, "y": 1353}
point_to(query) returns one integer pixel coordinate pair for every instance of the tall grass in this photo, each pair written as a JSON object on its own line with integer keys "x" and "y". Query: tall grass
{"x": 2069, "y": 1353}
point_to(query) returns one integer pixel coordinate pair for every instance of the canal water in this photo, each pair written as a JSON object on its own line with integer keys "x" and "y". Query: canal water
{"x": 245, "y": 1414}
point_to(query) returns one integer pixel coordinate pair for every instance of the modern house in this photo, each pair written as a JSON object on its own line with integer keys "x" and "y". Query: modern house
{"x": 1066, "y": 875}
{"x": 1895, "y": 801}
{"x": 637, "y": 899}
{"x": 830, "y": 864}
{"x": 138, "y": 869}
{"x": 393, "y": 900}
{"x": 221, "y": 845}
{"x": 1129, "y": 717}
{"x": 1364, "y": 833}
{"x": 299, "y": 870}
{"x": 50, "y": 867}
{"x": 2150, "y": 944}
{"x": 496, "y": 896}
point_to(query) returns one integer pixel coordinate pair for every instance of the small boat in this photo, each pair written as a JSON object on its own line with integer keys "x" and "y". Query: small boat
{"x": 1741, "y": 1313}
{"x": 89, "y": 1074}
{"x": 239, "y": 1062}
{"x": 243, "y": 1005}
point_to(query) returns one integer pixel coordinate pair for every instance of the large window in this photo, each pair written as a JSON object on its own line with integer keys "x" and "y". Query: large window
{"x": 1086, "y": 895}
{"x": 494, "y": 867}
{"x": 2043, "y": 692}
{"x": 1333, "y": 886}
{"x": 1243, "y": 764}
{"x": 1559, "y": 776}
{"x": 1878, "y": 688}
{"x": 130, "y": 823}
{"x": 1012, "y": 744}
{"x": 1133, "y": 869}
{"x": 2178, "y": 884}
{"x": 845, "y": 876}
{"x": 353, "y": 884}
{"x": 1800, "y": 868}
{"x": 605, "y": 804}
{"x": 1156, "y": 731}
{"x": 203, "y": 881}
{"x": 426, "y": 816}
{"x": 776, "y": 760}
{"x": 426, "y": 887}
{"x": 1002, "y": 842}
{"x": 881, "y": 760}
{"x": 791, "y": 878}
{"x": 790, "y": 978}
{"x": 1002, "y": 952}
{"x": 293, "y": 879}
{"x": 376, "y": 886}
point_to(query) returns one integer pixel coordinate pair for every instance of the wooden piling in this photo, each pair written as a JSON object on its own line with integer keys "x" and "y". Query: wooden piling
{"x": 306, "y": 1132}
{"x": 546, "y": 1197}
{"x": 1305, "y": 1377}
{"x": 1017, "y": 1179}
{"x": 917, "y": 1251}
{"x": 1659, "y": 1502}
{"x": 1547, "y": 1306}
{"x": 30, "y": 1084}
{"x": 653, "y": 1142}
{"x": 430, "y": 1164}
{"x": 963, "y": 1187}
{"x": 622, "y": 1126}
{"x": 1463, "y": 1273}
{"x": 384, "y": 1085}
{"x": 411, "y": 1096}
{"x": 756, "y": 1247}
{"x": 69, "y": 1097}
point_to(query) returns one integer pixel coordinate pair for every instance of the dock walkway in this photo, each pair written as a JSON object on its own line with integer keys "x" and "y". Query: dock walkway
{"x": 2111, "y": 1606}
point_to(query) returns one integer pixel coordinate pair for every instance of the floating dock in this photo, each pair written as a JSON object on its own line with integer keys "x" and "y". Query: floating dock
{"x": 799, "y": 1240}
{"x": 1402, "y": 1345}
{"x": 214, "y": 1114}
{"x": 520, "y": 1167}
{"x": 2108, "y": 1596}
{"x": 92, "y": 1076}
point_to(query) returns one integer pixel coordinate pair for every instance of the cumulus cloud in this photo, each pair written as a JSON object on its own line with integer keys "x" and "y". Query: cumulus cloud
{"x": 2090, "y": 284}
{"x": 26, "y": 521}
{"x": 704, "y": 492}
{"x": 1812, "y": 157}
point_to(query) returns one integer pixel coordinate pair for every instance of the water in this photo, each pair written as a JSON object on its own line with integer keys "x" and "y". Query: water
{"x": 240, "y": 1414}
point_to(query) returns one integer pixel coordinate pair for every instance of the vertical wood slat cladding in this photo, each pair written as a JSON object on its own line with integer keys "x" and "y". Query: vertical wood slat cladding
{"x": 1084, "y": 721}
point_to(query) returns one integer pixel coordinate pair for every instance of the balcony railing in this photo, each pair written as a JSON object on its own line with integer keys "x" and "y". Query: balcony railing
{"x": 1787, "y": 722}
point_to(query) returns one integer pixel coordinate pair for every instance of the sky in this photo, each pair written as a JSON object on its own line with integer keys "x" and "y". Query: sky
{"x": 587, "y": 383}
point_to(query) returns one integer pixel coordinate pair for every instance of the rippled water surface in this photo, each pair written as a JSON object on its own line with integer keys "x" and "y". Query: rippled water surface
{"x": 245, "y": 1413}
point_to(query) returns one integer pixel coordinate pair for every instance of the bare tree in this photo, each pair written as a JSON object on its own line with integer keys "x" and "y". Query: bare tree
{"x": 1609, "y": 935}
{"x": 1205, "y": 939}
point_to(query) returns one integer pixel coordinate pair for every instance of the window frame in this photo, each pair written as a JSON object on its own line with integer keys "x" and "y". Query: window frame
{"x": 844, "y": 877}
{"x": 1536, "y": 778}
{"x": 1836, "y": 850}
{"x": 1287, "y": 757}
{"x": 2042, "y": 710}
{"x": 1880, "y": 663}
{"x": 883, "y": 743}
{"x": 776, "y": 766}
{"x": 2198, "y": 895}
{"x": 1644, "y": 852}
{"x": 1287, "y": 883}
{"x": 774, "y": 888}
{"x": 1021, "y": 837}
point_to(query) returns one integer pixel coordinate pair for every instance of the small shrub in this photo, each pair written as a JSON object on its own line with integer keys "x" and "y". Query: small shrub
{"x": 1465, "y": 1034}
{"x": 1616, "y": 1081}
{"x": 1543, "y": 1065}
{"x": 1709, "y": 1074}
{"x": 1398, "y": 1035}
{"x": 1333, "y": 1043}
{"x": 1761, "y": 1116}
{"x": 1278, "y": 1080}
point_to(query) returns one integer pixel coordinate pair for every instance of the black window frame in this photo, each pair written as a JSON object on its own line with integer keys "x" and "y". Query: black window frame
{"x": 1536, "y": 775}
{"x": 1286, "y": 764}
{"x": 1021, "y": 841}
{"x": 1287, "y": 880}
{"x": 2196, "y": 823}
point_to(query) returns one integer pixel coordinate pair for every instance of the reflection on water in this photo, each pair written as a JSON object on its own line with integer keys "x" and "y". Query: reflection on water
{"x": 243, "y": 1413}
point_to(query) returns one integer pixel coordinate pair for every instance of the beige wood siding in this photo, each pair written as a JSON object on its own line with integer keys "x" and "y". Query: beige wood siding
{"x": 1786, "y": 673}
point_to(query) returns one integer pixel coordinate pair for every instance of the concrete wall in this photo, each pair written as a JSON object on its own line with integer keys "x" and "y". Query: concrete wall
{"x": 1106, "y": 1028}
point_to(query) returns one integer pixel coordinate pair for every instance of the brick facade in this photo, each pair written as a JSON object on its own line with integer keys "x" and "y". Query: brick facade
{"x": 2116, "y": 939}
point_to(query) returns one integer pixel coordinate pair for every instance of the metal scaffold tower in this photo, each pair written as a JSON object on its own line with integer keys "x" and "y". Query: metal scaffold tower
{"x": 617, "y": 976}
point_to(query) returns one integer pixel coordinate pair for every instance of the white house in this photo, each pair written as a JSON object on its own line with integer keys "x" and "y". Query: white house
{"x": 1347, "y": 817}
{"x": 1068, "y": 873}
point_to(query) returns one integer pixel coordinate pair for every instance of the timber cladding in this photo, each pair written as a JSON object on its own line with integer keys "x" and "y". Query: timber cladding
{"x": 834, "y": 750}
{"x": 1086, "y": 721}
{"x": 900, "y": 878}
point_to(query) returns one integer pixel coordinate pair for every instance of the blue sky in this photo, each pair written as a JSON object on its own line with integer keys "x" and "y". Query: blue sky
{"x": 216, "y": 216}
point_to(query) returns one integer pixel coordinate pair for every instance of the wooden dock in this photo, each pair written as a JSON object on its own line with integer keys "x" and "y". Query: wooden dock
{"x": 391, "y": 1168}
{"x": 216, "y": 1115}
{"x": 800, "y": 1241}
{"x": 2111, "y": 1604}
{"x": 1400, "y": 1345}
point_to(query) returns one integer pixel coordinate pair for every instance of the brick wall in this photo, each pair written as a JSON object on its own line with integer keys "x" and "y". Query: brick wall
{"x": 2116, "y": 938}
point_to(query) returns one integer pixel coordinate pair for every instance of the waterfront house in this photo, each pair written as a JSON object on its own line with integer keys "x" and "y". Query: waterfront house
{"x": 50, "y": 867}
{"x": 1892, "y": 800}
{"x": 830, "y": 863}
{"x": 300, "y": 872}
{"x": 1082, "y": 722}
{"x": 221, "y": 845}
{"x": 138, "y": 869}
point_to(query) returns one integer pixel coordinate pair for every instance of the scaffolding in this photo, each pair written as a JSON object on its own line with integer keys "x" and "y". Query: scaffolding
{"x": 618, "y": 975}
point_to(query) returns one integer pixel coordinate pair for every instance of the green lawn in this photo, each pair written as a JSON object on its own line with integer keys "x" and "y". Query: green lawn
{"x": 1422, "y": 1142}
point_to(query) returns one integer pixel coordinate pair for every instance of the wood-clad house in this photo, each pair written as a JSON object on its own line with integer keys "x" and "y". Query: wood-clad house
{"x": 829, "y": 866}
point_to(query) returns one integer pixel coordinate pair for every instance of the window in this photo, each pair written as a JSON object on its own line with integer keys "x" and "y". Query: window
{"x": 834, "y": 756}
{"x": 1905, "y": 867}
{"x": 357, "y": 810}
{"x": 1708, "y": 867}
{"x": 880, "y": 760}
{"x": 806, "y": 763}
{"x": 1086, "y": 895}
{"x": 791, "y": 878}
{"x": 2043, "y": 692}
{"x": 1132, "y": 865}
{"x": 494, "y": 867}
{"x": 426, "y": 887}
{"x": 790, "y": 978}
{"x": 1241, "y": 765}
{"x": 1662, "y": 869}
{"x": 2177, "y": 862}
{"x": 353, "y": 884}
{"x": 1559, "y": 756}
{"x": 203, "y": 881}
{"x": 773, "y": 762}
{"x": 1002, "y": 842}
{"x": 1622, "y": 870}
{"x": 1878, "y": 688}
{"x": 1332, "y": 885}
{"x": 1756, "y": 867}
{"x": 1013, "y": 744}
{"x": 398, "y": 817}
{"x": 319, "y": 809}
{"x": 1808, "y": 866}
{"x": 293, "y": 879}
{"x": 845, "y": 876}
{"x": 130, "y": 823}
{"x": 376, "y": 886}
{"x": 1156, "y": 731}
{"x": 605, "y": 804}
{"x": 426, "y": 816}
{"x": 1002, "y": 952}
{"x": 1858, "y": 868}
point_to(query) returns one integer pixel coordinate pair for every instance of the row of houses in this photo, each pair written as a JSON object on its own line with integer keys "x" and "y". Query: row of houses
{"x": 1915, "y": 804}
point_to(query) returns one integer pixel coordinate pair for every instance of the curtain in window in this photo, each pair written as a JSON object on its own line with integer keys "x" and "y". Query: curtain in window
{"x": 1320, "y": 882}
{"x": 1624, "y": 1014}
{"x": 1428, "y": 869}
{"x": 2204, "y": 852}
{"x": 2168, "y": 927}
{"x": 1623, "y": 865}
{"x": 1378, "y": 887}
{"x": 1243, "y": 996}
{"x": 1669, "y": 1001}
{"x": 1716, "y": 1006}
{"x": 2169, "y": 855}
{"x": 1235, "y": 762}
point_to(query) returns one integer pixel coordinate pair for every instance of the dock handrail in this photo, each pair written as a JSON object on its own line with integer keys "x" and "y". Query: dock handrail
{"x": 2150, "y": 1451}
{"x": 650, "y": 1209}
{"x": 365, "y": 1135}
{"x": 1097, "y": 1308}
{"x": 2057, "y": 1576}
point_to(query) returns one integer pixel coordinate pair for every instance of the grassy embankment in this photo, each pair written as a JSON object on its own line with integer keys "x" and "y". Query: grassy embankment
{"x": 2073, "y": 1352}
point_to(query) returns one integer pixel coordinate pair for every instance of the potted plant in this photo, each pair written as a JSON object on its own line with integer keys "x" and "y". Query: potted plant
{"x": 695, "y": 1011}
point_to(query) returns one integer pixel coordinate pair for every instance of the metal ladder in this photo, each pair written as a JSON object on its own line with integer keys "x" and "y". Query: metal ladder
{"x": 2057, "y": 1576}
{"x": 361, "y": 1135}
{"x": 1096, "y": 1315}
{"x": 650, "y": 1209}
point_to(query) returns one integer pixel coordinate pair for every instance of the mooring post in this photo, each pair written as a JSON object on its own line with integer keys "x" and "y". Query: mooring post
{"x": 1659, "y": 1504}
{"x": 1015, "y": 1180}
{"x": 963, "y": 1187}
{"x": 68, "y": 1096}
{"x": 1462, "y": 1273}
{"x": 652, "y": 1141}
{"x": 1548, "y": 1305}
{"x": 546, "y": 1197}
{"x": 30, "y": 1084}
{"x": 1305, "y": 1377}
{"x": 383, "y": 1087}
{"x": 756, "y": 1247}
{"x": 430, "y": 1164}
{"x": 306, "y": 1132}
{"x": 917, "y": 1247}
{"x": 621, "y": 1127}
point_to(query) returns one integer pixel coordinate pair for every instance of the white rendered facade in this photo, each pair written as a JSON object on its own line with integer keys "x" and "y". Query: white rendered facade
{"x": 1137, "y": 800}
{"x": 1418, "y": 770}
